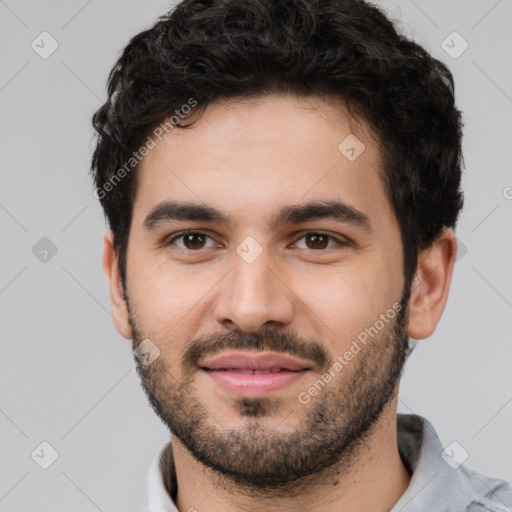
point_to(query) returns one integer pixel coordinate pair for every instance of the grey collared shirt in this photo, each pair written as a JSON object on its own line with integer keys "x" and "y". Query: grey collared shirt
{"x": 440, "y": 481}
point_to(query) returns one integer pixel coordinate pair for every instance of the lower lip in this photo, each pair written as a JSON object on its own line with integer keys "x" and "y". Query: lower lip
{"x": 252, "y": 385}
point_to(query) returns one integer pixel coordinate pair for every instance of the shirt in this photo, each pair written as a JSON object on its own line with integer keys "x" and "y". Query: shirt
{"x": 440, "y": 482}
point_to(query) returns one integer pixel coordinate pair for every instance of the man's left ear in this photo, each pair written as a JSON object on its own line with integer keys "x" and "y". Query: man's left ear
{"x": 431, "y": 284}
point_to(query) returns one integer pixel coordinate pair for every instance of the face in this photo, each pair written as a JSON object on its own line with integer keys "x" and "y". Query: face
{"x": 264, "y": 265}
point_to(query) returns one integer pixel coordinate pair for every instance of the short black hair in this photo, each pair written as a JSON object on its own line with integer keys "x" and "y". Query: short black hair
{"x": 206, "y": 50}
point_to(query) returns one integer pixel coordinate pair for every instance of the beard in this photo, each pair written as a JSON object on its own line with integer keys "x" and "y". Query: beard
{"x": 254, "y": 456}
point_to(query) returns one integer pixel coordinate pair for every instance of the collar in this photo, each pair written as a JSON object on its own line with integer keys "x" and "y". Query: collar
{"x": 436, "y": 485}
{"x": 162, "y": 484}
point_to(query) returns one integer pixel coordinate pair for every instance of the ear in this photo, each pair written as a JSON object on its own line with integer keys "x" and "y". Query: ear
{"x": 431, "y": 284}
{"x": 118, "y": 306}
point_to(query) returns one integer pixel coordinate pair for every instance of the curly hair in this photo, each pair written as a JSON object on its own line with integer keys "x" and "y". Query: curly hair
{"x": 348, "y": 49}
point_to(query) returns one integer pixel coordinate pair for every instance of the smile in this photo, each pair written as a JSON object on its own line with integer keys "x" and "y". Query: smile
{"x": 254, "y": 374}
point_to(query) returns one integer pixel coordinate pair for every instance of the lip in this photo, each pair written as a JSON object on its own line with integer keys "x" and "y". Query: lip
{"x": 253, "y": 374}
{"x": 251, "y": 360}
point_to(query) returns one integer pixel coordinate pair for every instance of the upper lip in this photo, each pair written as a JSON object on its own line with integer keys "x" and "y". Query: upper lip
{"x": 245, "y": 360}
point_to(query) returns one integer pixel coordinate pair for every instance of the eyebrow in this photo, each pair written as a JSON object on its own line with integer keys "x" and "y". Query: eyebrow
{"x": 293, "y": 214}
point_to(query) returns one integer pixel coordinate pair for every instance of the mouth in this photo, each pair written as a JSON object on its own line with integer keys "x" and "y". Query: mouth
{"x": 254, "y": 374}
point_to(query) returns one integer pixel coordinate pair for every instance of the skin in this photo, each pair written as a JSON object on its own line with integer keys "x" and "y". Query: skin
{"x": 249, "y": 159}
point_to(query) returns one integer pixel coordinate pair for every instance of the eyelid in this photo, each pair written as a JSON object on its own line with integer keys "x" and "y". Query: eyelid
{"x": 338, "y": 239}
{"x": 169, "y": 241}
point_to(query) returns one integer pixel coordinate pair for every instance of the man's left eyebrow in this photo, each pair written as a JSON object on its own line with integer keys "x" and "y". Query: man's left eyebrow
{"x": 293, "y": 214}
{"x": 334, "y": 210}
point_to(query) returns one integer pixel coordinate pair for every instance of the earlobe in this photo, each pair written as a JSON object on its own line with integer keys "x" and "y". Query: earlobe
{"x": 431, "y": 285}
{"x": 118, "y": 306}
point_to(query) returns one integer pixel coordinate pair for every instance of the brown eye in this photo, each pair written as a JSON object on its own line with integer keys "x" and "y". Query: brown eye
{"x": 191, "y": 240}
{"x": 318, "y": 241}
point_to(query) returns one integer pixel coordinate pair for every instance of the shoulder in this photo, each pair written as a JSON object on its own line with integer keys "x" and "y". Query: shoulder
{"x": 492, "y": 494}
{"x": 439, "y": 481}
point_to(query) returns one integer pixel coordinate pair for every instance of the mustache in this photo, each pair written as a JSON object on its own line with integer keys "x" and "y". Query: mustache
{"x": 276, "y": 341}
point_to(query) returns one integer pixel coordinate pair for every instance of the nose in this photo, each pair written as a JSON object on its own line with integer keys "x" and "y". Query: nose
{"x": 254, "y": 296}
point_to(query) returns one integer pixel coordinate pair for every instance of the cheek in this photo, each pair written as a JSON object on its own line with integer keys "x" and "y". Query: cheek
{"x": 348, "y": 299}
{"x": 163, "y": 294}
{"x": 343, "y": 304}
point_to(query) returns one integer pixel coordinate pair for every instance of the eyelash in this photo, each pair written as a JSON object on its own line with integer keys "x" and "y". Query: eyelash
{"x": 170, "y": 241}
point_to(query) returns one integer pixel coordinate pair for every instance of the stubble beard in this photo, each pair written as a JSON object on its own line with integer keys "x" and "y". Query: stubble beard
{"x": 335, "y": 424}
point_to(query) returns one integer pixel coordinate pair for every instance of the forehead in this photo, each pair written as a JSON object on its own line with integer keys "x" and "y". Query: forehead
{"x": 254, "y": 156}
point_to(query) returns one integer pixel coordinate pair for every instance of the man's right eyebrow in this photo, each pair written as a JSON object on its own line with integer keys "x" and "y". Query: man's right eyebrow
{"x": 172, "y": 210}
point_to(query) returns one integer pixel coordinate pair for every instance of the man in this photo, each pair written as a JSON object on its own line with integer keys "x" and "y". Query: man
{"x": 281, "y": 182}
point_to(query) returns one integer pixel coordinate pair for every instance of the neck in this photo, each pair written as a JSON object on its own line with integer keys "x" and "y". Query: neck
{"x": 374, "y": 479}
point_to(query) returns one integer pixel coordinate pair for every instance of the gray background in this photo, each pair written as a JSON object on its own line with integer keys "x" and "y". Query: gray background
{"x": 67, "y": 377}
